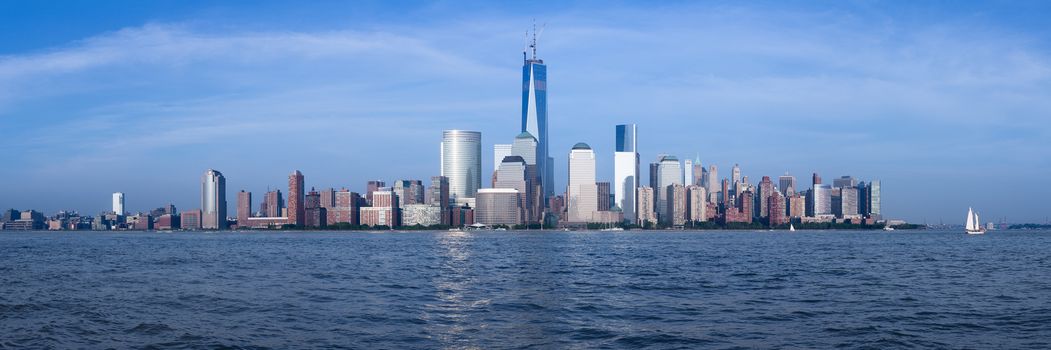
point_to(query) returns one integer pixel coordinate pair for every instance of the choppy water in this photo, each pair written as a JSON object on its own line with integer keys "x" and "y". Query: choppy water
{"x": 526, "y": 290}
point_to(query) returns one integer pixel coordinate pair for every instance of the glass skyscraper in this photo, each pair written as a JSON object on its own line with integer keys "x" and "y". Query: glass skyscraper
{"x": 534, "y": 115}
{"x": 626, "y": 171}
{"x": 462, "y": 163}
{"x": 213, "y": 200}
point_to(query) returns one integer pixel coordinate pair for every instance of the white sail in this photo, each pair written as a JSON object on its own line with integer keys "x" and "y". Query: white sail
{"x": 977, "y": 223}
{"x": 970, "y": 220}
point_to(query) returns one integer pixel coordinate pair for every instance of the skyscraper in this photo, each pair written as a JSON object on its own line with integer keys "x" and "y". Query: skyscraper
{"x": 534, "y": 113}
{"x": 118, "y": 203}
{"x": 787, "y": 184}
{"x": 498, "y": 206}
{"x": 244, "y": 208}
{"x": 438, "y": 195}
{"x": 500, "y": 151}
{"x": 713, "y": 179}
{"x": 213, "y": 200}
{"x": 461, "y": 159}
{"x": 735, "y": 175}
{"x": 845, "y": 181}
{"x": 675, "y": 200}
{"x": 525, "y": 146}
{"x": 273, "y": 203}
{"x": 766, "y": 189}
{"x": 626, "y": 171}
{"x": 699, "y": 173}
{"x": 687, "y": 172}
{"x": 696, "y": 203}
{"x": 872, "y": 196}
{"x": 669, "y": 172}
{"x": 582, "y": 191}
{"x": 373, "y": 186}
{"x": 296, "y": 198}
{"x": 511, "y": 173}
{"x": 646, "y": 204}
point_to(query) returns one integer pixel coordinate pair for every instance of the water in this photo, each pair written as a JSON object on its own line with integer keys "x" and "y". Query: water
{"x": 526, "y": 290}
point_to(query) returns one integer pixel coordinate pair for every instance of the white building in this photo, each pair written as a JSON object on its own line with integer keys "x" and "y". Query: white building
{"x": 669, "y": 172}
{"x": 118, "y": 203}
{"x": 461, "y": 159}
{"x": 582, "y": 192}
{"x": 626, "y": 171}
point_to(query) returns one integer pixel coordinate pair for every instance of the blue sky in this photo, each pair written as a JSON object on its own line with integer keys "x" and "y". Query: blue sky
{"x": 945, "y": 102}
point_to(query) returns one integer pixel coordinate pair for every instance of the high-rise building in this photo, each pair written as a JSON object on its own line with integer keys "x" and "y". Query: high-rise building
{"x": 244, "y": 208}
{"x": 687, "y": 172}
{"x": 848, "y": 202}
{"x": 713, "y": 179}
{"x": 776, "y": 206}
{"x": 191, "y": 219}
{"x": 213, "y": 200}
{"x": 345, "y": 209}
{"x": 669, "y": 172}
{"x": 328, "y": 198}
{"x": 409, "y": 191}
{"x": 735, "y": 175}
{"x": 872, "y": 200}
{"x": 462, "y": 163}
{"x": 766, "y": 189}
{"x": 534, "y": 114}
{"x": 296, "y": 198}
{"x": 796, "y": 206}
{"x": 822, "y": 199}
{"x": 646, "y": 205}
{"x": 654, "y": 177}
{"x": 384, "y": 210}
{"x": 498, "y": 206}
{"x": 272, "y": 204}
{"x": 314, "y": 214}
{"x": 603, "y": 195}
{"x": 787, "y": 184}
{"x": 699, "y": 173}
{"x": 499, "y": 152}
{"x": 696, "y": 203}
{"x": 582, "y": 191}
{"x": 118, "y": 203}
{"x": 421, "y": 214}
{"x": 626, "y": 171}
{"x": 675, "y": 200}
{"x": 439, "y": 196}
{"x": 525, "y": 146}
{"x": 511, "y": 173}
{"x": 845, "y": 181}
{"x": 373, "y": 186}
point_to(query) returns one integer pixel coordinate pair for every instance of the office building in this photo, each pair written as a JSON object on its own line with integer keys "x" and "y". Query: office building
{"x": 787, "y": 184}
{"x": 191, "y": 219}
{"x": 373, "y": 186}
{"x": 796, "y": 206}
{"x": 498, "y": 206}
{"x": 244, "y": 207}
{"x": 626, "y": 171}
{"x": 845, "y": 181}
{"x": 384, "y": 210}
{"x": 669, "y": 172}
{"x": 582, "y": 192}
{"x": 696, "y": 203}
{"x": 766, "y": 189}
{"x": 873, "y": 200}
{"x": 314, "y": 214}
{"x": 735, "y": 175}
{"x": 438, "y": 195}
{"x": 603, "y": 195}
{"x": 296, "y": 198}
{"x": 675, "y": 200}
{"x": 700, "y": 174}
{"x": 345, "y": 209}
{"x": 511, "y": 173}
{"x": 118, "y": 203}
{"x": 713, "y": 179}
{"x": 687, "y": 172}
{"x": 461, "y": 160}
{"x": 328, "y": 198}
{"x": 646, "y": 205}
{"x": 409, "y": 191}
{"x": 272, "y": 204}
{"x": 776, "y": 206}
{"x": 213, "y": 200}
{"x": 421, "y": 215}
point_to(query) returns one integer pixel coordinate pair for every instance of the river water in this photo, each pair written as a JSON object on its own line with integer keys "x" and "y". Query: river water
{"x": 491, "y": 290}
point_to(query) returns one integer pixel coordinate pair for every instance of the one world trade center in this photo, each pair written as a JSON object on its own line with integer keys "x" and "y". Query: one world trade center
{"x": 534, "y": 114}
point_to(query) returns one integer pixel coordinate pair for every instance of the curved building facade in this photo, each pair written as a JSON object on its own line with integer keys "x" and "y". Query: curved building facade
{"x": 213, "y": 200}
{"x": 462, "y": 162}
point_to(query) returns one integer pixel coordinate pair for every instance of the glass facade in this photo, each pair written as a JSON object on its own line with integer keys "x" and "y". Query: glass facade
{"x": 462, "y": 162}
{"x": 534, "y": 116}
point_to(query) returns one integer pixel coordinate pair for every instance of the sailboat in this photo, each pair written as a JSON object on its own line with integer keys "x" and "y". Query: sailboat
{"x": 791, "y": 228}
{"x": 974, "y": 226}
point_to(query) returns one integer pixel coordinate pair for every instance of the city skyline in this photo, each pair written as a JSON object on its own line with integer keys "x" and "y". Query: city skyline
{"x": 130, "y": 136}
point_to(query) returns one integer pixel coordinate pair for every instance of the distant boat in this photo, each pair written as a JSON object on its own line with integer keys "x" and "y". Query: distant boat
{"x": 888, "y": 228}
{"x": 791, "y": 227}
{"x": 612, "y": 229}
{"x": 974, "y": 226}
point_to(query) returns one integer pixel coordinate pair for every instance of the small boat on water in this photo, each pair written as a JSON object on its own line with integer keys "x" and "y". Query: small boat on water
{"x": 888, "y": 228}
{"x": 791, "y": 227}
{"x": 974, "y": 226}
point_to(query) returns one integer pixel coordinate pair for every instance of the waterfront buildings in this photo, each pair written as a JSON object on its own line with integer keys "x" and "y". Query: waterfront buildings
{"x": 384, "y": 210}
{"x": 582, "y": 192}
{"x": 626, "y": 171}
{"x": 766, "y": 190}
{"x": 244, "y": 207}
{"x": 461, "y": 163}
{"x": 409, "y": 191}
{"x": 675, "y": 202}
{"x": 213, "y": 200}
{"x": 696, "y": 203}
{"x": 421, "y": 215}
{"x": 346, "y": 208}
{"x": 373, "y": 186}
{"x": 669, "y": 172}
{"x": 273, "y": 204}
{"x": 438, "y": 195}
{"x": 787, "y": 184}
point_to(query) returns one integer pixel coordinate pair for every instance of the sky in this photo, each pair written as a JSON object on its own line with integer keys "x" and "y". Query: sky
{"x": 945, "y": 102}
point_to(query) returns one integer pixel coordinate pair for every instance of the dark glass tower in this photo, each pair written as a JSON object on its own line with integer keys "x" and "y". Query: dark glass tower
{"x": 534, "y": 114}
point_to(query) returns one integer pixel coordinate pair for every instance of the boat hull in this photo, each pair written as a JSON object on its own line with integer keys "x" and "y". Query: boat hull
{"x": 982, "y": 232}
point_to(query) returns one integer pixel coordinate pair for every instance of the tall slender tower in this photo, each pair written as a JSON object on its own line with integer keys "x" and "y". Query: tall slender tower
{"x": 296, "y": 198}
{"x": 213, "y": 200}
{"x": 534, "y": 112}
{"x": 626, "y": 171}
